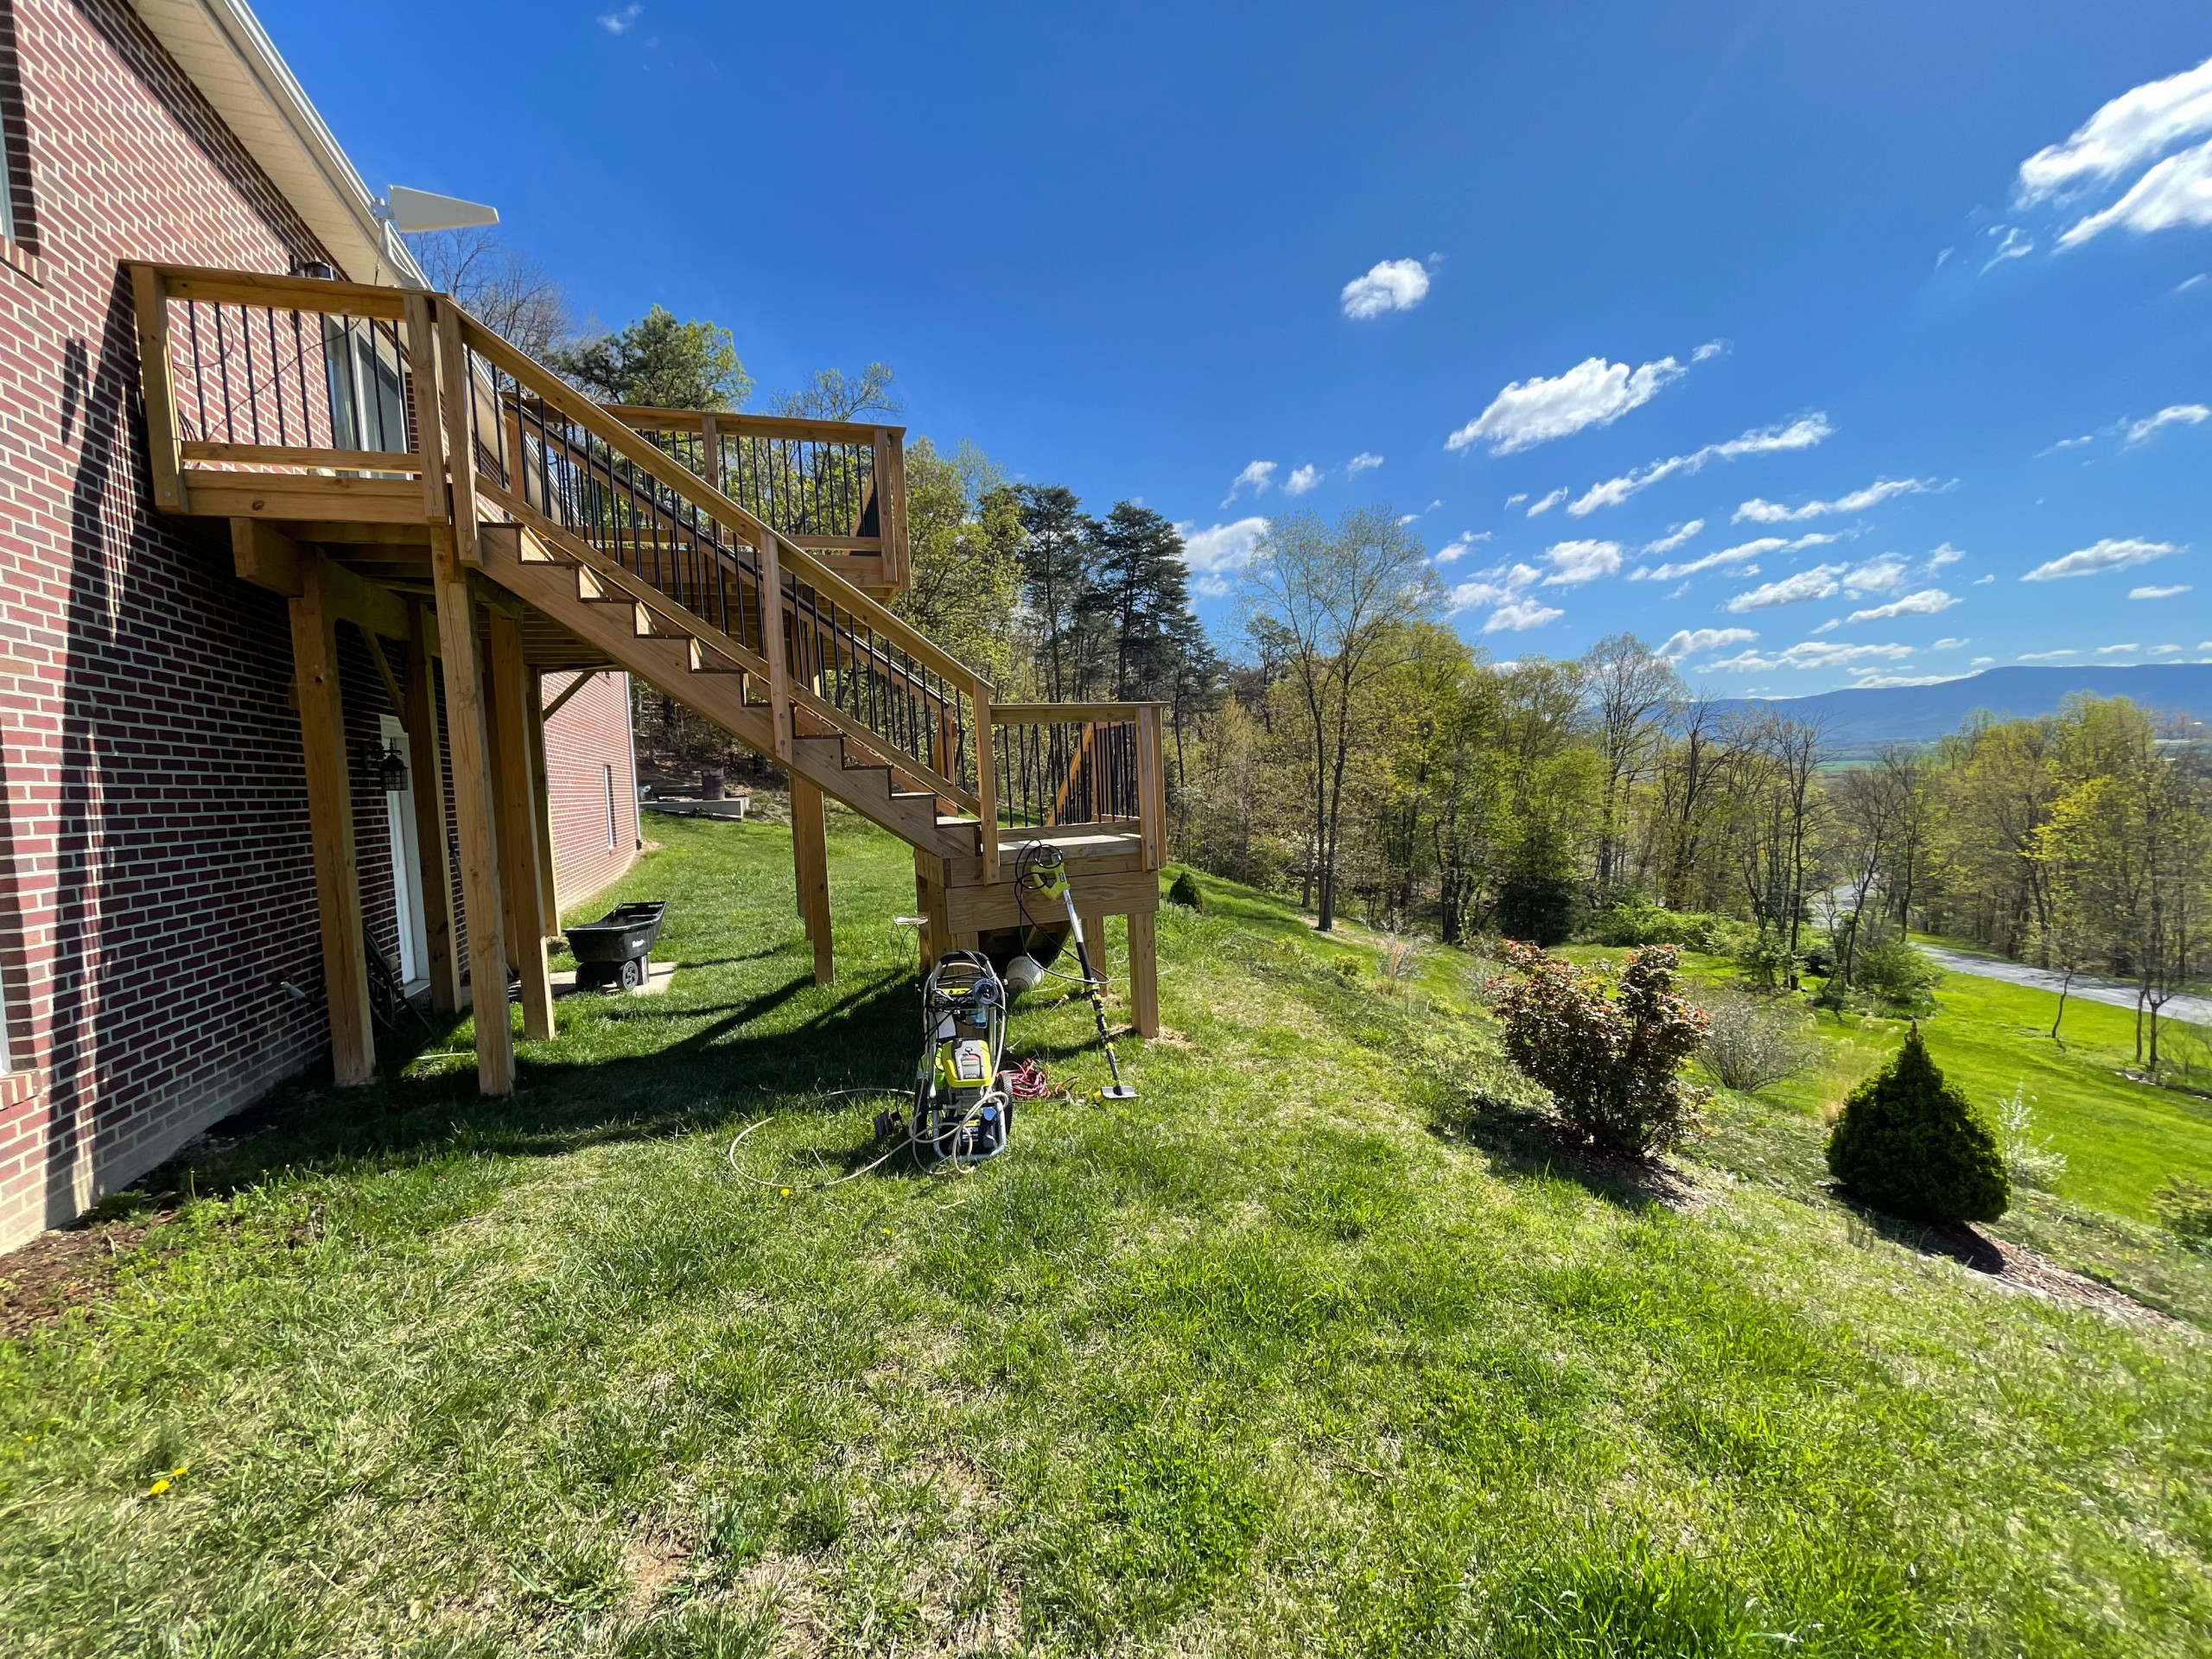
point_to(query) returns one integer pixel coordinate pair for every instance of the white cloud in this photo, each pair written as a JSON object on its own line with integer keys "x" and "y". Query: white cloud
{"x": 1256, "y": 476}
{"x": 1592, "y": 393}
{"x": 2141, "y": 123}
{"x": 1677, "y": 592}
{"x": 1688, "y": 641}
{"x": 1981, "y": 662}
{"x": 1865, "y": 679}
{"x": 2128, "y": 650}
{"x": 2108, "y": 554}
{"x": 1220, "y": 553}
{"x": 1548, "y": 503}
{"x": 1392, "y": 285}
{"x": 2016, "y": 245}
{"x": 619, "y": 22}
{"x": 2066, "y": 443}
{"x": 1828, "y": 626}
{"x": 1514, "y": 501}
{"x": 1676, "y": 536}
{"x": 1711, "y": 348}
{"x": 1942, "y": 555}
{"x": 1823, "y": 582}
{"x": 2046, "y": 655}
{"x": 1575, "y": 562}
{"x": 1950, "y": 644}
{"x": 1725, "y": 556}
{"x": 2178, "y": 191}
{"x": 1770, "y": 512}
{"x": 1304, "y": 478}
{"x": 2174, "y": 592}
{"x": 2165, "y": 650}
{"x": 1810, "y": 653}
{"x": 1464, "y": 543}
{"x": 1760, "y": 440}
{"x": 1927, "y": 602}
{"x": 1819, "y": 582}
{"x": 1984, "y": 582}
{"x": 2188, "y": 282}
{"x": 1364, "y": 462}
{"x": 2172, "y": 415}
{"x": 1521, "y": 616}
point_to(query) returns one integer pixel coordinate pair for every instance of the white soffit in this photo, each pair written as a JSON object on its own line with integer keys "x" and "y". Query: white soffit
{"x": 221, "y": 44}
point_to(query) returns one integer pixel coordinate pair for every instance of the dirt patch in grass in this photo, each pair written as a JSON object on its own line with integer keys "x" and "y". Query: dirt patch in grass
{"x": 650, "y": 1563}
{"x": 74, "y": 1267}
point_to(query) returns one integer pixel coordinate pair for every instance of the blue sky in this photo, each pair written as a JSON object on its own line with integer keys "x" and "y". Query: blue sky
{"x": 1907, "y": 307}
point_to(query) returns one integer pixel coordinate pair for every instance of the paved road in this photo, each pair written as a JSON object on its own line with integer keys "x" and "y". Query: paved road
{"x": 2197, "y": 1010}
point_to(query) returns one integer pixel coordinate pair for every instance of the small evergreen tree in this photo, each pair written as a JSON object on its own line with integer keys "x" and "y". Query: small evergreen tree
{"x": 1185, "y": 891}
{"x": 1908, "y": 1143}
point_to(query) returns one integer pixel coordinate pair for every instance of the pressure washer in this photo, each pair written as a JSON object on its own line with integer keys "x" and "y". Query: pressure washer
{"x": 962, "y": 1111}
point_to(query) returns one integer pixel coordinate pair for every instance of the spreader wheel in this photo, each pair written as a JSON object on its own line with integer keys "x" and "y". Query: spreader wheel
{"x": 633, "y": 973}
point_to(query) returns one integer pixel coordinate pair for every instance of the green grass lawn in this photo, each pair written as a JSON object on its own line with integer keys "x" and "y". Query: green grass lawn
{"x": 1301, "y": 1352}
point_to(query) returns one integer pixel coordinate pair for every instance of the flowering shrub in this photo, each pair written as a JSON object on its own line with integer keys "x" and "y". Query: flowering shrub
{"x": 1612, "y": 1053}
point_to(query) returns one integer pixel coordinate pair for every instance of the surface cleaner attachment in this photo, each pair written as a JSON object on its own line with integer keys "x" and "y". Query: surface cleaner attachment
{"x": 1042, "y": 877}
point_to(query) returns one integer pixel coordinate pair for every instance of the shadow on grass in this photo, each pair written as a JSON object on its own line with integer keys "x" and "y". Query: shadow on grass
{"x": 560, "y": 1104}
{"x": 1521, "y": 1141}
{"x": 1959, "y": 1241}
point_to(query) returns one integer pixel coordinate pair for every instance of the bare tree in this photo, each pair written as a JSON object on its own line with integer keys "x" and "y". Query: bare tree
{"x": 1332, "y": 602}
{"x": 506, "y": 290}
{"x": 831, "y": 396}
{"x": 1627, "y": 686}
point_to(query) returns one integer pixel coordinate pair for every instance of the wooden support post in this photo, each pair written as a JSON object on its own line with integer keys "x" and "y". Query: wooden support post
{"x": 987, "y": 784}
{"x": 772, "y": 644}
{"x": 936, "y": 909}
{"x": 1144, "y": 972}
{"x": 519, "y": 888}
{"x": 330, "y": 822}
{"x": 419, "y": 715}
{"x": 458, "y": 396}
{"x": 1093, "y": 936}
{"x": 710, "y": 451}
{"x": 422, "y": 383}
{"x": 810, "y": 865}
{"x": 149, "y": 296}
{"x": 472, "y": 793}
{"x": 541, "y": 803}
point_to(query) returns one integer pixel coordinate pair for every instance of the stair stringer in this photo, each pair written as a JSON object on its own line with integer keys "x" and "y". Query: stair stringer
{"x": 664, "y": 660}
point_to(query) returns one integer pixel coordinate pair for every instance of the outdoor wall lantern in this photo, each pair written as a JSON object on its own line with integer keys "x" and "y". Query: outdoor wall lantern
{"x": 391, "y": 770}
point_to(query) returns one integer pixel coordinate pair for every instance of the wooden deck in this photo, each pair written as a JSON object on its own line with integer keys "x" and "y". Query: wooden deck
{"x": 387, "y": 463}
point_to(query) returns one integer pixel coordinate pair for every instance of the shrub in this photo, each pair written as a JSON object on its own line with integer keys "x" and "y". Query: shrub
{"x": 1539, "y": 907}
{"x": 2184, "y": 1206}
{"x": 1612, "y": 1062}
{"x": 1908, "y": 1142}
{"x": 1767, "y": 961}
{"x": 1896, "y": 973}
{"x": 2029, "y": 1161}
{"x": 1638, "y": 923}
{"x": 1750, "y": 1044}
{"x": 1185, "y": 891}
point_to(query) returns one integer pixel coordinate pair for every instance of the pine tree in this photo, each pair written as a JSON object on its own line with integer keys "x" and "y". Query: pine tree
{"x": 1908, "y": 1143}
{"x": 1055, "y": 577}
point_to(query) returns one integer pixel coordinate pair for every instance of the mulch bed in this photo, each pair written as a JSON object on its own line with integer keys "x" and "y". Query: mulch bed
{"x": 41, "y": 1281}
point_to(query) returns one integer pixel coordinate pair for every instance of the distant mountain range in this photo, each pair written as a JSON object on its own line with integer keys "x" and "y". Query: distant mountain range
{"x": 1921, "y": 713}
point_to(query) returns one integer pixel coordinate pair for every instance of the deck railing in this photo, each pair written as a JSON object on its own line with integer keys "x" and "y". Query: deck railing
{"x": 835, "y": 488}
{"x": 1064, "y": 765}
{"x": 295, "y": 398}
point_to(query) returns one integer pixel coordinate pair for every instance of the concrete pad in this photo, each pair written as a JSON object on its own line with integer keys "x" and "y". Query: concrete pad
{"x": 658, "y": 977}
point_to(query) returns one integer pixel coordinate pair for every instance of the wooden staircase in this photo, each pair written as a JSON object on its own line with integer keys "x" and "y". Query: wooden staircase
{"x": 386, "y": 460}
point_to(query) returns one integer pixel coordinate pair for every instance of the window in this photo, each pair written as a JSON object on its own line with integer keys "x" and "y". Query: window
{"x": 611, "y": 826}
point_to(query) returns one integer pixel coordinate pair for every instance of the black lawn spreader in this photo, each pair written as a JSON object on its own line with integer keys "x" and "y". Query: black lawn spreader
{"x": 615, "y": 953}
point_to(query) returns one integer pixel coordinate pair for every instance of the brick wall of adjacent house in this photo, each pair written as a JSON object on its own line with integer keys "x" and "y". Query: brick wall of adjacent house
{"x": 156, "y": 885}
{"x": 588, "y": 760}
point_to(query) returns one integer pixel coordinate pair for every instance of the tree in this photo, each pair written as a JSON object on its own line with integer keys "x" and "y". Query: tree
{"x": 1627, "y": 687}
{"x": 1908, "y": 1142}
{"x": 660, "y": 363}
{"x": 1139, "y": 590}
{"x": 831, "y": 396}
{"x": 1055, "y": 575}
{"x": 1334, "y": 599}
{"x": 964, "y": 530}
{"x": 507, "y": 291}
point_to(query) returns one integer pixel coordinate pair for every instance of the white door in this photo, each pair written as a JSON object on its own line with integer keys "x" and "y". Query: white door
{"x": 406, "y": 868}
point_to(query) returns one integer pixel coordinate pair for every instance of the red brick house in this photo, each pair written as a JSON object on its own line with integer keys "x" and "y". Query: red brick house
{"x": 160, "y": 954}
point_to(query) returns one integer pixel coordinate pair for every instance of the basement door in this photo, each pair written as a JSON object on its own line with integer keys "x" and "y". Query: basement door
{"x": 406, "y": 867}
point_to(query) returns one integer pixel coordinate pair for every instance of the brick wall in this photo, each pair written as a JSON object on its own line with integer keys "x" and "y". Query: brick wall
{"x": 157, "y": 886}
{"x": 590, "y": 735}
